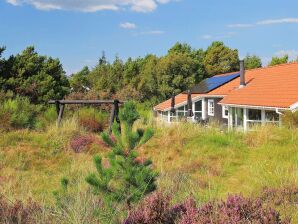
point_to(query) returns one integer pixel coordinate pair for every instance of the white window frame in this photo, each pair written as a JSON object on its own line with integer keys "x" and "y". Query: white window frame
{"x": 224, "y": 109}
{"x": 211, "y": 109}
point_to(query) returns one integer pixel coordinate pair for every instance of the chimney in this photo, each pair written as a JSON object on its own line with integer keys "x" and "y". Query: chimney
{"x": 242, "y": 74}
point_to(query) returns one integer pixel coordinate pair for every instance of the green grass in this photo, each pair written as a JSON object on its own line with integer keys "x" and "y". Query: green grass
{"x": 210, "y": 164}
{"x": 206, "y": 162}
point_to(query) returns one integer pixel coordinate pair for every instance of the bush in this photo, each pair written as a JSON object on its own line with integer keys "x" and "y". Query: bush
{"x": 92, "y": 119}
{"x": 48, "y": 117}
{"x": 156, "y": 209}
{"x": 84, "y": 142}
{"x": 279, "y": 196}
{"x": 236, "y": 209}
{"x": 19, "y": 113}
{"x": 18, "y": 212}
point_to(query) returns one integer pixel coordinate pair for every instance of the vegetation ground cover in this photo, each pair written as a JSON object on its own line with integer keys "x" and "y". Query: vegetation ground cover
{"x": 208, "y": 164}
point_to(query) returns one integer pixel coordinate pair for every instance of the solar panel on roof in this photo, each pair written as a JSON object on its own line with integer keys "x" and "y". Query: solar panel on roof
{"x": 212, "y": 83}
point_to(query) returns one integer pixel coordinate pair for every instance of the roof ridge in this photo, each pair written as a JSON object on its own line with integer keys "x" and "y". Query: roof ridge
{"x": 273, "y": 66}
{"x": 261, "y": 68}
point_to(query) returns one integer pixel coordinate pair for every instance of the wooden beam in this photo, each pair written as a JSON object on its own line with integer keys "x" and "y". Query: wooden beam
{"x": 60, "y": 104}
{"x": 84, "y": 101}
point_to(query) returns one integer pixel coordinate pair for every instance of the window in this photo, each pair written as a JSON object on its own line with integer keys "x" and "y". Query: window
{"x": 225, "y": 111}
{"x": 164, "y": 115}
{"x": 198, "y": 110}
{"x": 211, "y": 107}
{"x": 271, "y": 116}
{"x": 254, "y": 115}
{"x": 181, "y": 112}
{"x": 254, "y": 118}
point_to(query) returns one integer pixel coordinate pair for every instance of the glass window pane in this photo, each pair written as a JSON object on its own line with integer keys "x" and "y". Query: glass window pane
{"x": 181, "y": 108}
{"x": 180, "y": 114}
{"x": 198, "y": 106}
{"x": 198, "y": 115}
{"x": 271, "y": 116}
{"x": 255, "y": 115}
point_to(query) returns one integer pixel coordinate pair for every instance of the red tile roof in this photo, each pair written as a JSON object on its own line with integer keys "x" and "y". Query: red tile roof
{"x": 275, "y": 86}
{"x": 179, "y": 99}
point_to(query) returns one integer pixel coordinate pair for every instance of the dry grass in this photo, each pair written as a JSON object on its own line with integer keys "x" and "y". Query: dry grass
{"x": 206, "y": 162}
{"x": 210, "y": 163}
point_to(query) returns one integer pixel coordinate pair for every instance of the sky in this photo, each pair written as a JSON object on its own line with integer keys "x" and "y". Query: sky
{"x": 78, "y": 31}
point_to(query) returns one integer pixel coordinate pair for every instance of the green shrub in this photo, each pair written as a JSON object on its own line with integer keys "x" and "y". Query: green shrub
{"x": 45, "y": 119}
{"x": 126, "y": 179}
{"x": 19, "y": 113}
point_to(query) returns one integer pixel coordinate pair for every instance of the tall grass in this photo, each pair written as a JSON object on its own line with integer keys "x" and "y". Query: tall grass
{"x": 207, "y": 163}
{"x": 220, "y": 162}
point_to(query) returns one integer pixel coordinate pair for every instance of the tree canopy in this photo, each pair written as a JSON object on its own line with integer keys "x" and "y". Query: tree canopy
{"x": 148, "y": 79}
{"x": 40, "y": 78}
{"x": 252, "y": 61}
{"x": 220, "y": 59}
{"x": 279, "y": 60}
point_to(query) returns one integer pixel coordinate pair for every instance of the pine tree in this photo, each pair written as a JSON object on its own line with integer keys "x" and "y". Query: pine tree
{"x": 126, "y": 179}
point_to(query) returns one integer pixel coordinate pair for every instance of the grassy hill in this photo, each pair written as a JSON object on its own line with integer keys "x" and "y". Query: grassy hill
{"x": 207, "y": 163}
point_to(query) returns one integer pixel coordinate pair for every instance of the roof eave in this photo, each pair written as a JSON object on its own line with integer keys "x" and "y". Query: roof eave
{"x": 253, "y": 106}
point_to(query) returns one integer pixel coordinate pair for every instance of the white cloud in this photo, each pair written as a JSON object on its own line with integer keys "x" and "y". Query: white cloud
{"x": 92, "y": 5}
{"x": 218, "y": 37}
{"x": 240, "y": 25}
{"x": 264, "y": 22}
{"x": 207, "y": 37}
{"x": 151, "y": 32}
{"x": 293, "y": 54}
{"x": 277, "y": 21}
{"x": 13, "y": 2}
{"x": 128, "y": 25}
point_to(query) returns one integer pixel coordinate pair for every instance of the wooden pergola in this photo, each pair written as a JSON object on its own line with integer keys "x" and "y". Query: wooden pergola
{"x": 60, "y": 105}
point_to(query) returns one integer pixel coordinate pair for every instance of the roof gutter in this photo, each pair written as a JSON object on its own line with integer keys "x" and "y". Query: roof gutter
{"x": 278, "y": 112}
{"x": 256, "y": 107}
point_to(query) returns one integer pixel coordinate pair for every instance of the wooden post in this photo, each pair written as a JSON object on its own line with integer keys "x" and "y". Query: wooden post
{"x": 112, "y": 117}
{"x": 61, "y": 110}
{"x": 57, "y": 107}
{"x": 116, "y": 102}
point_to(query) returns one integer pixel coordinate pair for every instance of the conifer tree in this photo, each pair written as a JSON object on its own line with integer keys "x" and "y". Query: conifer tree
{"x": 125, "y": 179}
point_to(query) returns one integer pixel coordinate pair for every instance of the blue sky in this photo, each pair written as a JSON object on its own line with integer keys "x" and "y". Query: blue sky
{"x": 77, "y": 31}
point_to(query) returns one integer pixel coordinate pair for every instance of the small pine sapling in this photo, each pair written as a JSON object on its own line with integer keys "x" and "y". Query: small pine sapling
{"x": 125, "y": 179}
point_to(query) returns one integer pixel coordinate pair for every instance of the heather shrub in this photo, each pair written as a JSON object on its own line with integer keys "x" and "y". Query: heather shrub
{"x": 18, "y": 212}
{"x": 156, "y": 209}
{"x": 84, "y": 142}
{"x": 279, "y": 196}
{"x": 92, "y": 119}
{"x": 236, "y": 209}
{"x": 79, "y": 143}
